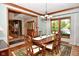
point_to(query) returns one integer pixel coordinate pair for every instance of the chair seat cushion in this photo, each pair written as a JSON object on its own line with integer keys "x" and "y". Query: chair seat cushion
{"x": 36, "y": 50}
{"x": 49, "y": 46}
{"x": 34, "y": 46}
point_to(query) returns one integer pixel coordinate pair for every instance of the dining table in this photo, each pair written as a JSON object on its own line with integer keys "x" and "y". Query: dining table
{"x": 42, "y": 40}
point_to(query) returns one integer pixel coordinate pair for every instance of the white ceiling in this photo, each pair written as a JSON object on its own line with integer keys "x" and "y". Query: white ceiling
{"x": 51, "y": 7}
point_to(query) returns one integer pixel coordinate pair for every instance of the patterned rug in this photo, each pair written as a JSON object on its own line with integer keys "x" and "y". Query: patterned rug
{"x": 65, "y": 50}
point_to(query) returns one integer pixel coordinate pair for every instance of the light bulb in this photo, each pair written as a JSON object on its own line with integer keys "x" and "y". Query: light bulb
{"x": 42, "y": 17}
{"x": 46, "y": 15}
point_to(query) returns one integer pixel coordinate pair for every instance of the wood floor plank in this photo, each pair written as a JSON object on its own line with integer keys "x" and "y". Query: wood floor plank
{"x": 75, "y": 51}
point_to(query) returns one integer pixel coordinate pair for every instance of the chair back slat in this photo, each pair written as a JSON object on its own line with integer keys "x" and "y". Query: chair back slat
{"x": 28, "y": 44}
{"x": 56, "y": 44}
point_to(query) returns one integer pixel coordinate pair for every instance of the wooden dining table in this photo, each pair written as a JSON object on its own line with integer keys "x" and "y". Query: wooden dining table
{"x": 40, "y": 41}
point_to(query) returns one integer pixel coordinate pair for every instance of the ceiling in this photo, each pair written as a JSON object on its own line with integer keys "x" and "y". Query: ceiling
{"x": 51, "y": 7}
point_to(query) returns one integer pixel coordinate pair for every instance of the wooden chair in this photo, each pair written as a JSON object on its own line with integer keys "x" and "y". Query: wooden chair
{"x": 55, "y": 46}
{"x": 13, "y": 54}
{"x": 30, "y": 48}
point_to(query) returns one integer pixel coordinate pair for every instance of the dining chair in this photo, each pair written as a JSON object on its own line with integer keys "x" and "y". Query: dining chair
{"x": 28, "y": 50}
{"x": 56, "y": 44}
{"x": 54, "y": 47}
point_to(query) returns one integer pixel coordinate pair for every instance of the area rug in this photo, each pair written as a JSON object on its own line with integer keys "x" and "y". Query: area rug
{"x": 65, "y": 50}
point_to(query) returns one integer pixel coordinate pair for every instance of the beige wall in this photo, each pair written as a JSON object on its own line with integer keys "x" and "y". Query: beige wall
{"x": 4, "y": 22}
{"x": 74, "y": 14}
{"x": 24, "y": 19}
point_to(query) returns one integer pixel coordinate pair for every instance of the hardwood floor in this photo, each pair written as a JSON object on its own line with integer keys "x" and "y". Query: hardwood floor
{"x": 75, "y": 51}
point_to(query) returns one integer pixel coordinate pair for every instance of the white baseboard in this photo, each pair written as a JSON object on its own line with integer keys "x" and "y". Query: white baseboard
{"x": 74, "y": 44}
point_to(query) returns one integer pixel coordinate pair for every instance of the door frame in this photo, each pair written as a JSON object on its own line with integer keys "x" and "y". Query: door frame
{"x": 61, "y": 18}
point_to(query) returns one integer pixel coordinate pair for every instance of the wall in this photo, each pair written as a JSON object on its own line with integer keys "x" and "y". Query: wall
{"x": 3, "y": 22}
{"x": 76, "y": 29}
{"x": 24, "y": 18}
{"x": 44, "y": 26}
{"x": 74, "y": 14}
{"x": 24, "y": 24}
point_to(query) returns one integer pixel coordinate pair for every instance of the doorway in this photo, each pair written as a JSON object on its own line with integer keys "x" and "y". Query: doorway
{"x": 63, "y": 26}
{"x": 30, "y": 28}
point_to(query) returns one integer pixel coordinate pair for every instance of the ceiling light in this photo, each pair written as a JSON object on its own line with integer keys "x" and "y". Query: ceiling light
{"x": 46, "y": 16}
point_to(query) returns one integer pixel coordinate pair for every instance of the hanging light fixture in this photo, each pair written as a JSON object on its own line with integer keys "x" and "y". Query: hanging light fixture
{"x": 46, "y": 10}
{"x": 46, "y": 16}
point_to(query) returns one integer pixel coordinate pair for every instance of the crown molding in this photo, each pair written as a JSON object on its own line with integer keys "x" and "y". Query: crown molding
{"x": 62, "y": 10}
{"x": 17, "y": 6}
{"x": 17, "y": 11}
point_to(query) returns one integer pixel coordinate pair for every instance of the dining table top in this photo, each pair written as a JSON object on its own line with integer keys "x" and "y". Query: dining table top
{"x": 39, "y": 41}
{"x": 43, "y": 37}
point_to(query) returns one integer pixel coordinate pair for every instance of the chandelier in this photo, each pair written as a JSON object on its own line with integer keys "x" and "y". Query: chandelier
{"x": 46, "y": 11}
{"x": 46, "y": 16}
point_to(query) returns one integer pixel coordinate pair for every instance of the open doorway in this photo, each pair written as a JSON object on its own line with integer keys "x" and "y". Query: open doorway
{"x": 64, "y": 25}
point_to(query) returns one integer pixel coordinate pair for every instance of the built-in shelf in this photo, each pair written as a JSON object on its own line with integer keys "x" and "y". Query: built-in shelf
{"x": 15, "y": 41}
